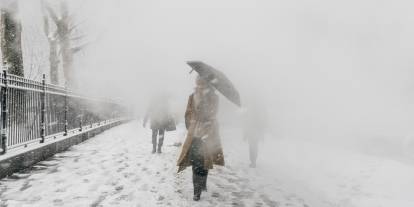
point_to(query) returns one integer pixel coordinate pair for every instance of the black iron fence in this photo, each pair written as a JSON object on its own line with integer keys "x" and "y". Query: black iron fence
{"x": 33, "y": 111}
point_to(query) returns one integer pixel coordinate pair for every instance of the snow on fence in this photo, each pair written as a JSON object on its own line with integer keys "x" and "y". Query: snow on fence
{"x": 31, "y": 111}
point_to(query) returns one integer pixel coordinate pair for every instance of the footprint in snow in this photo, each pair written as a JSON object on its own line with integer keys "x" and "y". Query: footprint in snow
{"x": 269, "y": 201}
{"x": 144, "y": 187}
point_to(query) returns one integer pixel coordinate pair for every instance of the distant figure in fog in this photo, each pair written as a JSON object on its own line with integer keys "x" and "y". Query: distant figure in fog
{"x": 254, "y": 128}
{"x": 160, "y": 120}
{"x": 202, "y": 147}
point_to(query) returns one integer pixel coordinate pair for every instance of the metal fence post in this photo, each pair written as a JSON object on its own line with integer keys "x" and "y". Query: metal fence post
{"x": 80, "y": 118}
{"x": 4, "y": 114}
{"x": 66, "y": 112}
{"x": 43, "y": 110}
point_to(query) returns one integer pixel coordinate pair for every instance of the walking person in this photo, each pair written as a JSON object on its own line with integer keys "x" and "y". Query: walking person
{"x": 254, "y": 128}
{"x": 202, "y": 146}
{"x": 160, "y": 121}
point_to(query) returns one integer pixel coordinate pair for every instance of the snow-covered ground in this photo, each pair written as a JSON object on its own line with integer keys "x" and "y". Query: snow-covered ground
{"x": 327, "y": 176}
{"x": 116, "y": 168}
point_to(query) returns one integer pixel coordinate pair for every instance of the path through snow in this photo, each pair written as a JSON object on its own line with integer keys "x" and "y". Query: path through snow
{"x": 116, "y": 168}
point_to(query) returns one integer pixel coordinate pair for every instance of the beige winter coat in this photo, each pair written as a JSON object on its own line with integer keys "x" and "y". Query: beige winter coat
{"x": 200, "y": 120}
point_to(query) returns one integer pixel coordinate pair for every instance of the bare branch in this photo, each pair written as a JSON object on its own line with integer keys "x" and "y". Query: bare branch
{"x": 52, "y": 14}
{"x": 77, "y": 38}
{"x": 73, "y": 27}
{"x": 79, "y": 48}
{"x": 46, "y": 26}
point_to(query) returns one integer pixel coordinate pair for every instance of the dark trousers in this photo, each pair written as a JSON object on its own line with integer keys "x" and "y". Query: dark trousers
{"x": 253, "y": 148}
{"x": 197, "y": 161}
{"x": 155, "y": 133}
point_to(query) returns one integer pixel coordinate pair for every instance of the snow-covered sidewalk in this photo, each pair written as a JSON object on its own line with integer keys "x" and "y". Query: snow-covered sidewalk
{"x": 116, "y": 168}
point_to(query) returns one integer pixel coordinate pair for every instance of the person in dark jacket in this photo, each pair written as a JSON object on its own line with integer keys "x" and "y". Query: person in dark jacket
{"x": 159, "y": 117}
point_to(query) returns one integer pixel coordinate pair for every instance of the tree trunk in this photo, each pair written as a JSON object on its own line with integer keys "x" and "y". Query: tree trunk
{"x": 65, "y": 46}
{"x": 11, "y": 44}
{"x": 53, "y": 49}
{"x": 54, "y": 62}
{"x": 67, "y": 62}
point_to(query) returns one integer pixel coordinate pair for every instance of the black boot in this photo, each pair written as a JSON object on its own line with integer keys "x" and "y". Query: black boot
{"x": 159, "y": 149}
{"x": 154, "y": 140}
{"x": 160, "y": 141}
{"x": 197, "y": 187}
{"x": 204, "y": 183}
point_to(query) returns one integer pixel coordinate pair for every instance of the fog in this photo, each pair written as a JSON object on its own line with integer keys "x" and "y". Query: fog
{"x": 328, "y": 70}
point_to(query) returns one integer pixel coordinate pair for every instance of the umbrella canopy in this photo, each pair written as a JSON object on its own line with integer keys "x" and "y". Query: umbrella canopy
{"x": 217, "y": 79}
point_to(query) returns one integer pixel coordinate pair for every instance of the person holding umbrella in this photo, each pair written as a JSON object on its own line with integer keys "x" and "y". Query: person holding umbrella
{"x": 202, "y": 147}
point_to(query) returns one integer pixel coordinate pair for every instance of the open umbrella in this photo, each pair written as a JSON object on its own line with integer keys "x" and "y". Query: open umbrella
{"x": 217, "y": 79}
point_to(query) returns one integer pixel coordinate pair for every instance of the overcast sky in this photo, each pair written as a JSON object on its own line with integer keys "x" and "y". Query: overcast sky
{"x": 324, "y": 68}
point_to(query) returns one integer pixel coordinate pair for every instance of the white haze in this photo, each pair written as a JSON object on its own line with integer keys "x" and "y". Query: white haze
{"x": 336, "y": 78}
{"x": 337, "y": 72}
{"x": 330, "y": 70}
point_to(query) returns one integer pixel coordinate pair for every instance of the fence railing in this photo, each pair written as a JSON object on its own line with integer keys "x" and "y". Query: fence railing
{"x": 32, "y": 110}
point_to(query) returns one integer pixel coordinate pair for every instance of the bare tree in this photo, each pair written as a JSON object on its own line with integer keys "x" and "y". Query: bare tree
{"x": 64, "y": 37}
{"x": 53, "y": 47}
{"x": 11, "y": 43}
{"x": 65, "y": 46}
